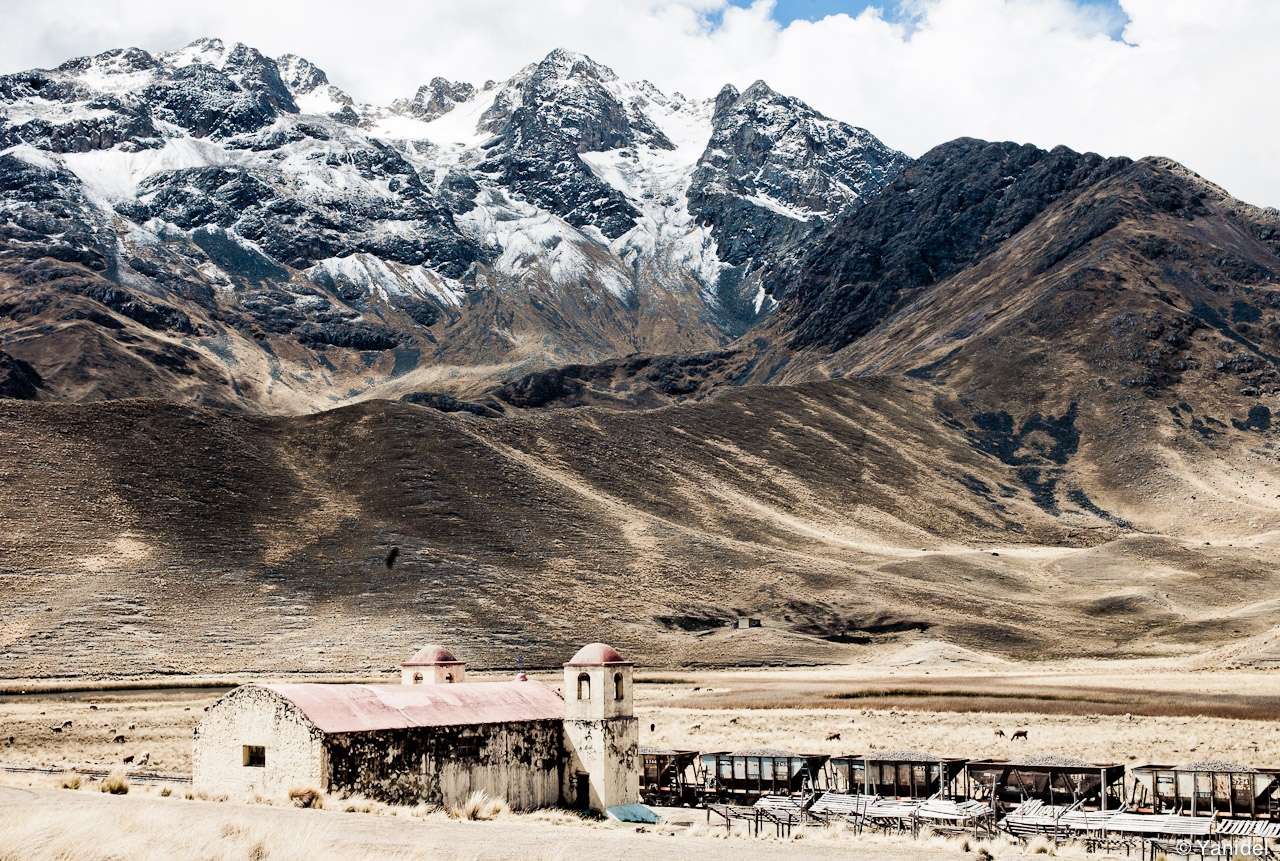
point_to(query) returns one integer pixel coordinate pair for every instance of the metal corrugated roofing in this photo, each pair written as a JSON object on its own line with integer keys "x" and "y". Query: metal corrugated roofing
{"x": 364, "y": 708}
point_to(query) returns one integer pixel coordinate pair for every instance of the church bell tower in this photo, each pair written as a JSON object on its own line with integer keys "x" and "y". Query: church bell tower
{"x": 601, "y": 733}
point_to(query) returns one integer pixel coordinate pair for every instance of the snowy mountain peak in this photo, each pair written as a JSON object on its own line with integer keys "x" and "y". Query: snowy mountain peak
{"x": 116, "y": 62}
{"x": 205, "y": 51}
{"x": 561, "y": 213}
{"x": 726, "y": 97}
{"x": 564, "y": 63}
{"x": 300, "y": 75}
{"x": 435, "y": 99}
{"x": 758, "y": 91}
{"x": 774, "y": 166}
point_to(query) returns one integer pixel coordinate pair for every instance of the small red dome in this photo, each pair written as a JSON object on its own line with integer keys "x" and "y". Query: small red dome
{"x": 431, "y": 655}
{"x": 594, "y": 654}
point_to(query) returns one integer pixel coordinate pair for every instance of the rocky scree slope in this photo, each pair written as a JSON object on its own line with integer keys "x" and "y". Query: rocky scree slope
{"x": 218, "y": 226}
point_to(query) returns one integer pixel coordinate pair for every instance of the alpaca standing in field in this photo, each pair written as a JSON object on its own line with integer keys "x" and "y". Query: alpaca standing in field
{"x": 1019, "y": 734}
{"x": 1000, "y": 733}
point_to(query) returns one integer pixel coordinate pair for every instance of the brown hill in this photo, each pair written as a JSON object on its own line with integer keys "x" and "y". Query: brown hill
{"x": 145, "y": 537}
{"x": 1109, "y": 329}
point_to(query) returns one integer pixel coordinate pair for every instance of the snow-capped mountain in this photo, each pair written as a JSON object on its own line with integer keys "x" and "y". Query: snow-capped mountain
{"x": 214, "y": 224}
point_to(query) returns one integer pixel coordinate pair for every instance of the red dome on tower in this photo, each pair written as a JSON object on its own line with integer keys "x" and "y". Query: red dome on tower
{"x": 595, "y": 654}
{"x": 429, "y": 655}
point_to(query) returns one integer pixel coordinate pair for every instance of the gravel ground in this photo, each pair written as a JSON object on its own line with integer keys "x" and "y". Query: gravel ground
{"x": 1053, "y": 760}
{"x": 1218, "y": 765}
{"x": 900, "y": 756}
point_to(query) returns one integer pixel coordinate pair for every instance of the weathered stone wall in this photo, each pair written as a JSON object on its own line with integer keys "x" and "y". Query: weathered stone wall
{"x": 608, "y": 752}
{"x": 443, "y": 765}
{"x": 252, "y": 715}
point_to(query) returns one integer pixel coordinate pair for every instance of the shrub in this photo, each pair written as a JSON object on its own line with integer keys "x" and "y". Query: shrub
{"x": 479, "y": 805}
{"x": 72, "y": 782}
{"x": 306, "y": 796}
{"x": 166, "y": 792}
{"x": 1042, "y": 846}
{"x": 115, "y": 783}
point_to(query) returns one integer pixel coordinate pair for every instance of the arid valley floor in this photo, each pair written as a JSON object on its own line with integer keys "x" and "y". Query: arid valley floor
{"x": 922, "y": 697}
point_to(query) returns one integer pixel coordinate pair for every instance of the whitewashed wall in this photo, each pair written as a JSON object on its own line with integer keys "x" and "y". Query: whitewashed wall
{"x": 251, "y": 715}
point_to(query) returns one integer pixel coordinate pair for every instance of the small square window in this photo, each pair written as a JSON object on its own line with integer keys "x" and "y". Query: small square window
{"x": 255, "y": 756}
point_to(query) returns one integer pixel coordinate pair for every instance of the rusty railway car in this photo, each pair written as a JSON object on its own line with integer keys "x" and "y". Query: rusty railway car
{"x": 898, "y": 774}
{"x": 744, "y": 776}
{"x": 1207, "y": 787}
{"x": 1051, "y": 779}
{"x": 670, "y": 778}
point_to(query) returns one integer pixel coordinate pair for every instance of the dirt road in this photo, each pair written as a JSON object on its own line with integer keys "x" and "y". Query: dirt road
{"x": 366, "y": 836}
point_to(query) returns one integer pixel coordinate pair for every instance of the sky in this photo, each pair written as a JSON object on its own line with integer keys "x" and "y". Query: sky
{"x": 1187, "y": 79}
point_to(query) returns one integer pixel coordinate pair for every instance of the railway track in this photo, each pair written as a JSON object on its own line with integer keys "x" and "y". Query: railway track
{"x": 99, "y": 773}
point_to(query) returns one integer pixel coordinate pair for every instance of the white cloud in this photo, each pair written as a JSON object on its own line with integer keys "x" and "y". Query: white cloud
{"x": 1189, "y": 81}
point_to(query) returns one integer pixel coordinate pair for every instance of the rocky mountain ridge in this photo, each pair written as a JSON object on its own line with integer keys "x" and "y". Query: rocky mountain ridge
{"x": 281, "y": 247}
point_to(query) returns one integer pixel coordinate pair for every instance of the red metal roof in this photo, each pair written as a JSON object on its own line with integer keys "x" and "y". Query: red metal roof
{"x": 428, "y": 655}
{"x": 363, "y": 708}
{"x": 594, "y": 654}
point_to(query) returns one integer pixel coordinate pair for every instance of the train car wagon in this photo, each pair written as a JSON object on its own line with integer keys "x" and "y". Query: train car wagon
{"x": 744, "y": 776}
{"x": 670, "y": 778}
{"x": 1208, "y": 786}
{"x": 898, "y": 774}
{"x": 1058, "y": 780}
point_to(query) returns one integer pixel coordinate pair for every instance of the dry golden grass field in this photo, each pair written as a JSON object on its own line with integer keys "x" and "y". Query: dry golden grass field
{"x": 923, "y": 698}
{"x": 926, "y": 697}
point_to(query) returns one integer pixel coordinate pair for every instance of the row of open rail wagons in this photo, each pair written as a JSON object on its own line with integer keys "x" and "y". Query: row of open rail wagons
{"x": 1039, "y": 794}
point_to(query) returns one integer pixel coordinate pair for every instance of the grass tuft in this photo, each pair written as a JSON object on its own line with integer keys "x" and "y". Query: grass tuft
{"x": 306, "y": 796}
{"x": 1042, "y": 846}
{"x": 480, "y": 805}
{"x": 115, "y": 783}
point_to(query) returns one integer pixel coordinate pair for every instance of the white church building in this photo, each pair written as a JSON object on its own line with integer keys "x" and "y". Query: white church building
{"x": 433, "y": 738}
